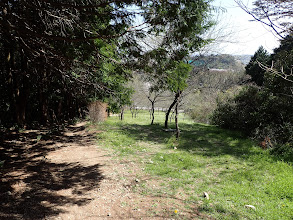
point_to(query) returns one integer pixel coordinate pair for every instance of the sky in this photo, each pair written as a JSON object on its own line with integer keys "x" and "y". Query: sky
{"x": 244, "y": 36}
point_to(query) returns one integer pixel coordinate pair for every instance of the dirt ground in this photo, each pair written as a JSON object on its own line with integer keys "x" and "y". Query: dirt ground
{"x": 67, "y": 175}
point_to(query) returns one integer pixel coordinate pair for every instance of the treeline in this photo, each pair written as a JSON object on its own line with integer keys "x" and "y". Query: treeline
{"x": 264, "y": 110}
{"x": 58, "y": 55}
{"x": 50, "y": 66}
{"x": 219, "y": 61}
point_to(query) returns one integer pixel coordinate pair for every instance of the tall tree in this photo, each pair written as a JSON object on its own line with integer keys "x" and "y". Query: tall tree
{"x": 280, "y": 73}
{"x": 51, "y": 54}
{"x": 254, "y": 69}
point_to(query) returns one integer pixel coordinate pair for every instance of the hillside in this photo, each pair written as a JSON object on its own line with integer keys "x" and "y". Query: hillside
{"x": 221, "y": 61}
{"x": 244, "y": 59}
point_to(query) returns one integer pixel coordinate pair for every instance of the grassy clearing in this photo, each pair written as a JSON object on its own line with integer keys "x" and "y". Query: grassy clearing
{"x": 231, "y": 169}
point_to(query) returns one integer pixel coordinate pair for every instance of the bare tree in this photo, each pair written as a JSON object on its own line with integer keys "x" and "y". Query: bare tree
{"x": 276, "y": 14}
{"x": 153, "y": 98}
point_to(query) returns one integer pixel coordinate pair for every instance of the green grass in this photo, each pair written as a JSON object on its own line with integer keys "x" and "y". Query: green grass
{"x": 230, "y": 168}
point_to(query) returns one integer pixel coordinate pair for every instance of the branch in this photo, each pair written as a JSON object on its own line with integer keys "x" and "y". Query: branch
{"x": 281, "y": 73}
{"x": 270, "y": 24}
{"x": 80, "y": 7}
{"x": 59, "y": 38}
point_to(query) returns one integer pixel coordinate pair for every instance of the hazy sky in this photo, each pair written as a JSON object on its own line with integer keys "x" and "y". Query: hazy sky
{"x": 245, "y": 36}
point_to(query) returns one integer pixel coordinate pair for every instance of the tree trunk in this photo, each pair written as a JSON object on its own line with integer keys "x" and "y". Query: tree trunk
{"x": 43, "y": 97}
{"x": 176, "y": 120}
{"x": 21, "y": 102}
{"x": 177, "y": 95}
{"x": 18, "y": 85}
{"x": 59, "y": 110}
{"x": 44, "y": 108}
{"x": 10, "y": 80}
{"x": 122, "y": 114}
{"x": 17, "y": 100}
{"x": 23, "y": 92}
{"x": 9, "y": 65}
{"x": 153, "y": 112}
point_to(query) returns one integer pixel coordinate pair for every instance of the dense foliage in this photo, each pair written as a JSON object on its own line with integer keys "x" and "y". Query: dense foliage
{"x": 254, "y": 69}
{"x": 59, "y": 55}
{"x": 265, "y": 111}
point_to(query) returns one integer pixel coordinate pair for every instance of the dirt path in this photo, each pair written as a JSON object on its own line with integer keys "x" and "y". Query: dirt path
{"x": 68, "y": 175}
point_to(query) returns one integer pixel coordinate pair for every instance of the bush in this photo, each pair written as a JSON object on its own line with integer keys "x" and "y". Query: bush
{"x": 284, "y": 151}
{"x": 240, "y": 112}
{"x": 202, "y": 112}
{"x": 258, "y": 113}
{"x": 278, "y": 133}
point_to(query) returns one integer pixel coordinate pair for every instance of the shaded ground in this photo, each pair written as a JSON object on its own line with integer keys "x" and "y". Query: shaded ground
{"x": 66, "y": 175}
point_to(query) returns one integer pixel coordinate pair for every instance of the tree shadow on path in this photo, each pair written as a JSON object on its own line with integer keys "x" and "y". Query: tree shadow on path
{"x": 30, "y": 184}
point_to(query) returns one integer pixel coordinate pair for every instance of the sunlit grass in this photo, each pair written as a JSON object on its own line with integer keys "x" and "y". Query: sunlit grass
{"x": 230, "y": 168}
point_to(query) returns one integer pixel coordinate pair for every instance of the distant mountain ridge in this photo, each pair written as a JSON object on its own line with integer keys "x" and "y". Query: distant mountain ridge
{"x": 243, "y": 58}
{"x": 221, "y": 61}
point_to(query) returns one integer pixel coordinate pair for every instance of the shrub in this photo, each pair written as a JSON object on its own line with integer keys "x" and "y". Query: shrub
{"x": 258, "y": 113}
{"x": 202, "y": 112}
{"x": 240, "y": 112}
{"x": 284, "y": 151}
